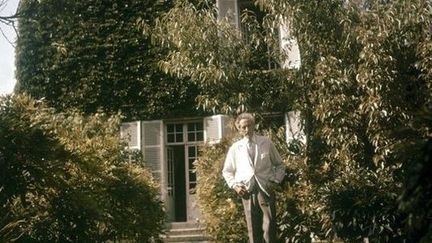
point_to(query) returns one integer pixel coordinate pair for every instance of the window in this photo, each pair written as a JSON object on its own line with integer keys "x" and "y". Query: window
{"x": 175, "y": 133}
{"x": 263, "y": 53}
{"x": 195, "y": 132}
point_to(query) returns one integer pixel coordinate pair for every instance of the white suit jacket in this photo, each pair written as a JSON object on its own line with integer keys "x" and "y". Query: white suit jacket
{"x": 266, "y": 167}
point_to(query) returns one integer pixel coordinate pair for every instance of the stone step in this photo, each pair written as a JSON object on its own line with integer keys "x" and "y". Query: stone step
{"x": 186, "y": 232}
{"x": 183, "y": 225}
{"x": 187, "y": 239}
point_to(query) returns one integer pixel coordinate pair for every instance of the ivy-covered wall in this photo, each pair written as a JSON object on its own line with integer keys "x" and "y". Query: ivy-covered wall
{"x": 97, "y": 55}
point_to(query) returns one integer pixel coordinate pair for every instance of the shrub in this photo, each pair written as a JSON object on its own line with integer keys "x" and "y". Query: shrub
{"x": 67, "y": 178}
{"x": 221, "y": 208}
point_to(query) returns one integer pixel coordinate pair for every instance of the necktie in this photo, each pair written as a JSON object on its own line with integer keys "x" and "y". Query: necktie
{"x": 251, "y": 150}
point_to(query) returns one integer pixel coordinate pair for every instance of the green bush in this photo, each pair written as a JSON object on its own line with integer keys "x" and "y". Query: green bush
{"x": 417, "y": 194}
{"x": 222, "y": 210}
{"x": 67, "y": 178}
{"x": 352, "y": 202}
{"x": 365, "y": 76}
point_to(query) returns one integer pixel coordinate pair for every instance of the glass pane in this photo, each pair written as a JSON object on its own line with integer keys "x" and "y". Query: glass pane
{"x": 179, "y": 137}
{"x": 192, "y": 177}
{"x": 200, "y": 136}
{"x": 191, "y": 151}
{"x": 192, "y": 187}
{"x": 171, "y": 138}
{"x": 191, "y": 163}
{"x": 199, "y": 126}
{"x": 179, "y": 128}
{"x": 191, "y": 137}
{"x": 170, "y": 128}
{"x": 191, "y": 127}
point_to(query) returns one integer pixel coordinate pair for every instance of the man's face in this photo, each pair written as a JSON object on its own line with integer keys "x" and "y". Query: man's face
{"x": 246, "y": 128}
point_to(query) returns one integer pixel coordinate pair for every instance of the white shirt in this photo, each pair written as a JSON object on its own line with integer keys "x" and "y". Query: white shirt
{"x": 266, "y": 166}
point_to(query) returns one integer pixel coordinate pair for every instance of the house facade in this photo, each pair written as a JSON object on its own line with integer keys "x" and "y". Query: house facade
{"x": 170, "y": 146}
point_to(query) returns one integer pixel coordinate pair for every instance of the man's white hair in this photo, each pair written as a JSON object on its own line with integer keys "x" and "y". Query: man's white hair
{"x": 245, "y": 115}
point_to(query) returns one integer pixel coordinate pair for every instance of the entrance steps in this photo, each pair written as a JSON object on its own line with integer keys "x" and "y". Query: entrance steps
{"x": 185, "y": 232}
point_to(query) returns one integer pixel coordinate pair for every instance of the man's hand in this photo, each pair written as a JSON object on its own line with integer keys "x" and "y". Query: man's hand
{"x": 241, "y": 190}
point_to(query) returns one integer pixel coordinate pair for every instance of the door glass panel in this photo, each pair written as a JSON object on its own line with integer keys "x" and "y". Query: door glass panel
{"x": 170, "y": 172}
{"x": 192, "y": 156}
{"x": 192, "y": 183}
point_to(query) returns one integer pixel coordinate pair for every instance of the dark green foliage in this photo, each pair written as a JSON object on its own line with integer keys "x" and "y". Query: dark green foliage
{"x": 416, "y": 198}
{"x": 363, "y": 97}
{"x": 66, "y": 177}
{"x": 96, "y": 55}
{"x": 222, "y": 210}
{"x": 351, "y": 202}
{"x": 364, "y": 80}
{"x": 231, "y": 70}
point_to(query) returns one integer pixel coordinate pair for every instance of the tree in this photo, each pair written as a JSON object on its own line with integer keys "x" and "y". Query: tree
{"x": 365, "y": 78}
{"x": 357, "y": 62}
{"x": 7, "y": 20}
{"x": 97, "y": 55}
{"x": 65, "y": 177}
{"x": 235, "y": 63}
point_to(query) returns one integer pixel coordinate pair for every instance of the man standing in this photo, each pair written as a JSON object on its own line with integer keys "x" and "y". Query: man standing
{"x": 253, "y": 168}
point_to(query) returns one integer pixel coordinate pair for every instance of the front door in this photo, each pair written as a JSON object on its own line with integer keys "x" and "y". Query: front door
{"x": 182, "y": 143}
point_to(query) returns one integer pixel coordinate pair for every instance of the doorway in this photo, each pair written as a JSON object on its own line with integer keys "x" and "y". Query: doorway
{"x": 177, "y": 182}
{"x": 182, "y": 142}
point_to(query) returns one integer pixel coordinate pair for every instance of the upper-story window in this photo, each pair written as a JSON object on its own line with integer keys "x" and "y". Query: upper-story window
{"x": 238, "y": 12}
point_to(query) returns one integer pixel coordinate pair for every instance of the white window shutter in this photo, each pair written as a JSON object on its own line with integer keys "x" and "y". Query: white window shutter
{"x": 228, "y": 9}
{"x": 131, "y": 133}
{"x": 290, "y": 47}
{"x": 294, "y": 127}
{"x": 217, "y": 127}
{"x": 152, "y": 146}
